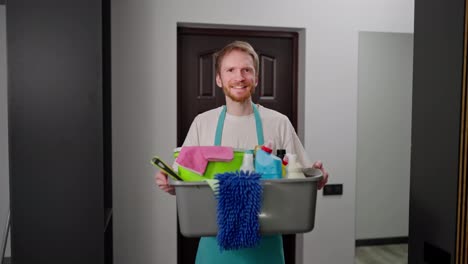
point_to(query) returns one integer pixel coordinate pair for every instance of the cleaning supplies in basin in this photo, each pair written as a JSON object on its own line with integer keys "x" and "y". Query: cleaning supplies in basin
{"x": 248, "y": 161}
{"x": 281, "y": 153}
{"x": 293, "y": 169}
{"x": 195, "y": 158}
{"x": 267, "y": 164}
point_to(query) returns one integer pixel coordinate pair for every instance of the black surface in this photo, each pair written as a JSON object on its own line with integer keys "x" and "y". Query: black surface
{"x": 56, "y": 128}
{"x": 437, "y": 84}
{"x": 435, "y": 255}
{"x": 107, "y": 100}
{"x": 381, "y": 241}
{"x": 107, "y": 129}
{"x": 333, "y": 189}
{"x": 2, "y": 2}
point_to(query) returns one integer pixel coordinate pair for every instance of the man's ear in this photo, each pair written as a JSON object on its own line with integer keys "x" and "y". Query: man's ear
{"x": 218, "y": 81}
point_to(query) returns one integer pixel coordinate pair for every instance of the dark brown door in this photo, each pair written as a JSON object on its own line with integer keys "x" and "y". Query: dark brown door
{"x": 197, "y": 90}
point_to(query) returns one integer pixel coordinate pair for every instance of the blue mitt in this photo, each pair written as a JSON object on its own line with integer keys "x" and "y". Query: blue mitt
{"x": 239, "y": 204}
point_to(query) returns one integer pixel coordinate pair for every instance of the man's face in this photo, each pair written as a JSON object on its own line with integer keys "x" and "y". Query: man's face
{"x": 237, "y": 76}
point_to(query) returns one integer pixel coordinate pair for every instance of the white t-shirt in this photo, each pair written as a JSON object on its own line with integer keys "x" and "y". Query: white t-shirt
{"x": 240, "y": 132}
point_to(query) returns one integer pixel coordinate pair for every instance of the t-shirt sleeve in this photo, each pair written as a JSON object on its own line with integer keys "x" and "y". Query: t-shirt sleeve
{"x": 192, "y": 138}
{"x": 293, "y": 145}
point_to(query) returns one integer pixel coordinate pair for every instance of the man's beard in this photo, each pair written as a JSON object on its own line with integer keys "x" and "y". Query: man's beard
{"x": 242, "y": 98}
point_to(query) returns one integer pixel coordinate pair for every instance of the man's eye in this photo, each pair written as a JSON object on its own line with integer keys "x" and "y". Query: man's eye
{"x": 230, "y": 70}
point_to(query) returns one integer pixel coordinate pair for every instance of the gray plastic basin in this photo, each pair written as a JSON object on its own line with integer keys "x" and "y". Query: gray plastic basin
{"x": 288, "y": 206}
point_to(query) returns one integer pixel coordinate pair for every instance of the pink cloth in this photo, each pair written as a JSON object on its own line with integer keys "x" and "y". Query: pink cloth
{"x": 196, "y": 158}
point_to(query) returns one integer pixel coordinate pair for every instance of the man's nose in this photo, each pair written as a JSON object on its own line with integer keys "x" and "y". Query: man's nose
{"x": 239, "y": 75}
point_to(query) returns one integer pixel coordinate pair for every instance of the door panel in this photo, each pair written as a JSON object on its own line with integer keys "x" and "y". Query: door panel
{"x": 197, "y": 90}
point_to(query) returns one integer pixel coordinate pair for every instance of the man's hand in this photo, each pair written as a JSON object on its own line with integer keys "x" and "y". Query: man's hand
{"x": 163, "y": 183}
{"x": 319, "y": 165}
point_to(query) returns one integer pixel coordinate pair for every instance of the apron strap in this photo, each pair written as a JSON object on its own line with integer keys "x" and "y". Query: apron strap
{"x": 222, "y": 116}
{"x": 219, "y": 127}
{"x": 258, "y": 125}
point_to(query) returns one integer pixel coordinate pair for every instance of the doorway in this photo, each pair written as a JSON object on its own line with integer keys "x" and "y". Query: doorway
{"x": 385, "y": 68}
{"x": 197, "y": 91}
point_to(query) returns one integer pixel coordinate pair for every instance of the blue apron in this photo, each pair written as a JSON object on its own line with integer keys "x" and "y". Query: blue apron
{"x": 270, "y": 249}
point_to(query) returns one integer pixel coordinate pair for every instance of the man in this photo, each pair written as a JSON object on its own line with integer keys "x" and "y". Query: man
{"x": 237, "y": 74}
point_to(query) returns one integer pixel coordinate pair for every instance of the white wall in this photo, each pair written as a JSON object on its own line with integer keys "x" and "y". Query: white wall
{"x": 4, "y": 170}
{"x": 144, "y": 108}
{"x": 385, "y": 81}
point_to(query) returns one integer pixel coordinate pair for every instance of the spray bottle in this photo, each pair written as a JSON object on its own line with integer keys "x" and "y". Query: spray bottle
{"x": 247, "y": 162}
{"x": 281, "y": 153}
{"x": 294, "y": 169}
{"x": 267, "y": 164}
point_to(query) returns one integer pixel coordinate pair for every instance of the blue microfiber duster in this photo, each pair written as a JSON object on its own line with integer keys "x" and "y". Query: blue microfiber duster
{"x": 239, "y": 203}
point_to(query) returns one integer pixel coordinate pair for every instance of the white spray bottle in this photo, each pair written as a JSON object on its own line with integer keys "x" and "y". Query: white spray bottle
{"x": 248, "y": 162}
{"x": 293, "y": 169}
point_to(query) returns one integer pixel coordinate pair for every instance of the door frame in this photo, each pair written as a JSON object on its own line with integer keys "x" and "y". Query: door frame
{"x": 248, "y": 32}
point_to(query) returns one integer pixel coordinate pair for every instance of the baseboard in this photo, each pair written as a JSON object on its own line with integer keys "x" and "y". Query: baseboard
{"x": 381, "y": 241}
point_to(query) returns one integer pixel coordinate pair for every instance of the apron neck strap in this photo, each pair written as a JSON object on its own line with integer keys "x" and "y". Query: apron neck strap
{"x": 222, "y": 116}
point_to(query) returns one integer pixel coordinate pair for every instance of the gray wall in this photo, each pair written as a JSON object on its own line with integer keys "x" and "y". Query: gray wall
{"x": 4, "y": 171}
{"x": 385, "y": 74}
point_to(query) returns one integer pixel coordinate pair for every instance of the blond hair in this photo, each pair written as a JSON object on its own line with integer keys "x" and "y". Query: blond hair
{"x": 236, "y": 45}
